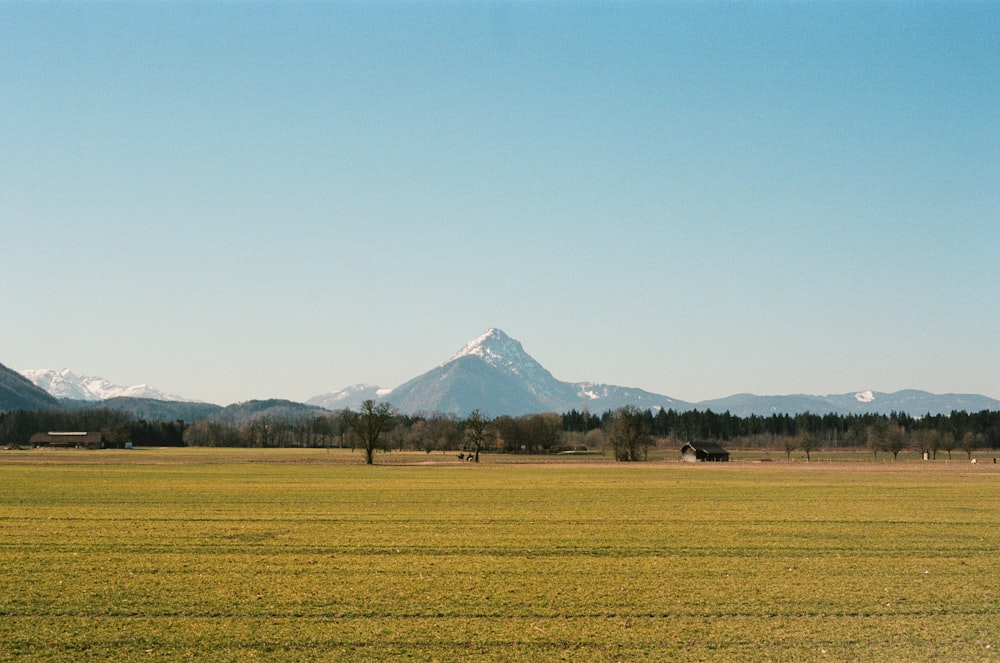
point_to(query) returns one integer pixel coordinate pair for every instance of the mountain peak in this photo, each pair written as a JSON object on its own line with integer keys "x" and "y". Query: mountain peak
{"x": 494, "y": 374}
{"x": 504, "y": 353}
{"x": 494, "y": 347}
{"x": 65, "y": 383}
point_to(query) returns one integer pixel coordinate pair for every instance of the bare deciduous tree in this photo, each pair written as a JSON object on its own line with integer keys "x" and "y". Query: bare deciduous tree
{"x": 368, "y": 425}
{"x": 807, "y": 442}
{"x": 791, "y": 443}
{"x": 476, "y": 431}
{"x": 969, "y": 443}
{"x": 627, "y": 433}
{"x": 895, "y": 439}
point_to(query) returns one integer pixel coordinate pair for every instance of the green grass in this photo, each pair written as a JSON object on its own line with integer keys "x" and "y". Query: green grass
{"x": 297, "y": 555}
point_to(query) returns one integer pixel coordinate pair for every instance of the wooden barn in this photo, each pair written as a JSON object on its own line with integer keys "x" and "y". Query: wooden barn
{"x": 67, "y": 439}
{"x": 707, "y": 452}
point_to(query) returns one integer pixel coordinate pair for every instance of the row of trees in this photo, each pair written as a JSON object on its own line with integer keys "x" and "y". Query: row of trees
{"x": 540, "y": 433}
{"x": 17, "y": 426}
{"x": 627, "y": 433}
{"x": 827, "y": 431}
{"x": 888, "y": 436}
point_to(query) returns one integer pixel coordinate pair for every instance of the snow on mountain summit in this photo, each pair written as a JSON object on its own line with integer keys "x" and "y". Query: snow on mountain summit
{"x": 67, "y": 384}
{"x": 503, "y": 352}
{"x": 865, "y": 396}
{"x": 494, "y": 347}
{"x": 348, "y": 397}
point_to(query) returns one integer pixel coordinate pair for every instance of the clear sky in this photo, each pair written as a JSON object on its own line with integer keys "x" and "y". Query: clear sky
{"x": 250, "y": 200}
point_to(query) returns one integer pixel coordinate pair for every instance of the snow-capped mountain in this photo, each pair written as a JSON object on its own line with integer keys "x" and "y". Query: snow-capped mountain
{"x": 494, "y": 374}
{"x": 66, "y": 384}
{"x": 506, "y": 355}
{"x": 349, "y": 398}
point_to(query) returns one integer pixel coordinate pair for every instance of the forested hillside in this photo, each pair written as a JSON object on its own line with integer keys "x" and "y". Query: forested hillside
{"x": 18, "y": 392}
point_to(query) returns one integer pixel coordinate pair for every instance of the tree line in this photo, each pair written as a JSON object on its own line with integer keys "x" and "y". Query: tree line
{"x": 117, "y": 427}
{"x": 628, "y": 433}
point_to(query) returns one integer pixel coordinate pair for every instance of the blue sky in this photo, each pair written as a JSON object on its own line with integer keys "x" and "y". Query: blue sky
{"x": 249, "y": 200}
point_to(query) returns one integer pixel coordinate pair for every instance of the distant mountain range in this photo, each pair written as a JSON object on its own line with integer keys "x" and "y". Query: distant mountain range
{"x": 494, "y": 374}
{"x": 910, "y": 401}
{"x": 68, "y": 385}
{"x": 491, "y": 373}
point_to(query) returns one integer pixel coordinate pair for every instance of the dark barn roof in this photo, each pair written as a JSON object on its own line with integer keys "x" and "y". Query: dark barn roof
{"x": 67, "y": 439}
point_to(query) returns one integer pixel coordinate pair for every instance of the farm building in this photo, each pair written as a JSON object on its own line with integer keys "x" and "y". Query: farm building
{"x": 711, "y": 452}
{"x": 67, "y": 439}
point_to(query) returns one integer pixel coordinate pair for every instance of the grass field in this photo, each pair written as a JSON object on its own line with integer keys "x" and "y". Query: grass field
{"x": 307, "y": 555}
